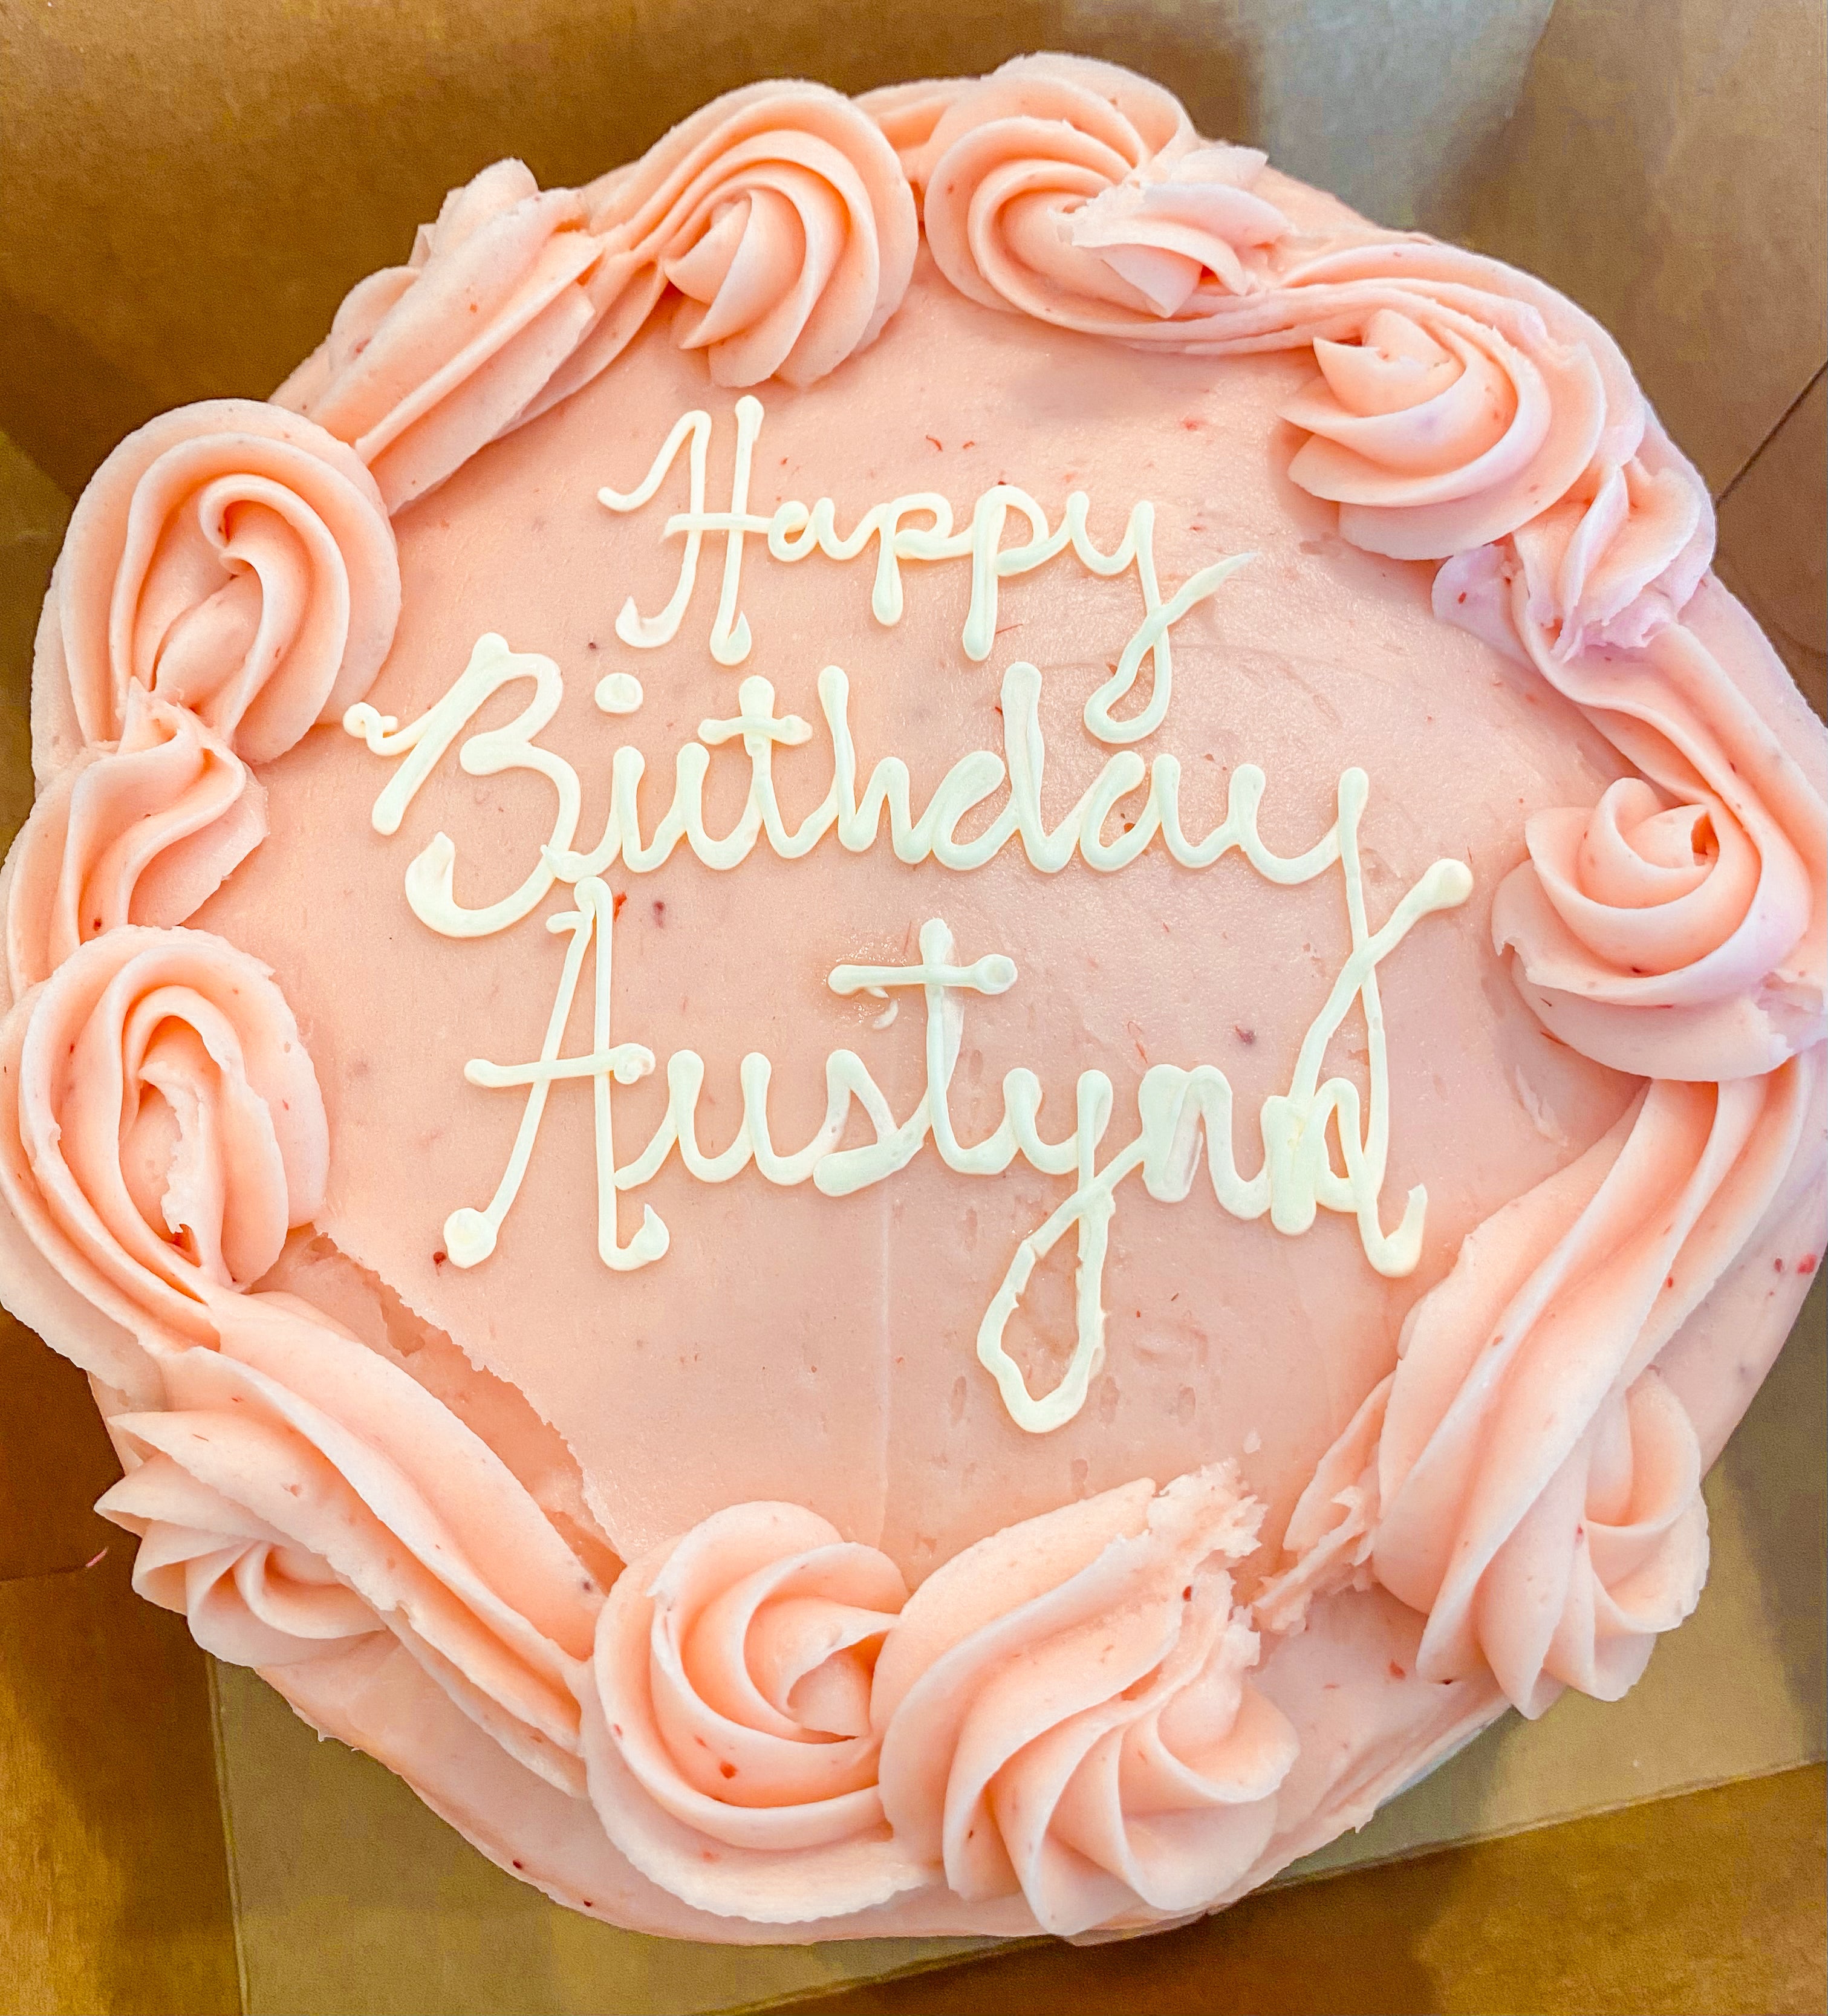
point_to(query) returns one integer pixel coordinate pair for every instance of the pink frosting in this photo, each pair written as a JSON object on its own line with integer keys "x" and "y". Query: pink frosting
{"x": 140, "y": 833}
{"x": 296, "y": 1490}
{"x": 426, "y": 362}
{"x": 1071, "y": 1724}
{"x": 1525, "y": 1476}
{"x": 350, "y": 1298}
{"x": 907, "y": 114}
{"x": 1455, "y": 400}
{"x": 1676, "y": 933}
{"x": 1067, "y": 1712}
{"x": 1063, "y": 188}
{"x": 1170, "y": 227}
{"x": 252, "y": 1593}
{"x": 729, "y": 1734}
{"x": 1621, "y": 554}
{"x": 234, "y": 559}
{"x": 161, "y": 1126}
{"x": 1062, "y": 1712}
{"x": 780, "y": 213}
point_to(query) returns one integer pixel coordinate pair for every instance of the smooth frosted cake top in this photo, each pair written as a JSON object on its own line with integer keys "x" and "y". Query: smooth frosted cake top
{"x": 948, "y": 867}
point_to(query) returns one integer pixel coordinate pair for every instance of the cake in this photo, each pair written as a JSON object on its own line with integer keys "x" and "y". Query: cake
{"x": 920, "y": 1023}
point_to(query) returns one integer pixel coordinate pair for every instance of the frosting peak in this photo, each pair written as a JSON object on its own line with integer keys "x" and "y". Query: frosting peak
{"x": 780, "y": 213}
{"x": 233, "y": 558}
{"x": 1166, "y": 228}
{"x": 428, "y": 362}
{"x": 1067, "y": 1710}
{"x": 160, "y": 1127}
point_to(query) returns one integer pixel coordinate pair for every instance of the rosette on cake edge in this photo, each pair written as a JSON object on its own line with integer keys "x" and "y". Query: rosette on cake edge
{"x": 1680, "y": 930}
{"x": 1528, "y": 1478}
{"x": 781, "y": 215}
{"x": 1075, "y": 192}
{"x": 727, "y": 1718}
{"x": 231, "y": 558}
{"x": 140, "y": 831}
{"x": 160, "y": 1133}
{"x": 1068, "y": 1710}
{"x": 777, "y": 214}
{"x": 1063, "y": 1715}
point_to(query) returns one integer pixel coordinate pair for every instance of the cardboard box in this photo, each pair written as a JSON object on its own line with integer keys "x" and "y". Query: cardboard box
{"x": 191, "y": 187}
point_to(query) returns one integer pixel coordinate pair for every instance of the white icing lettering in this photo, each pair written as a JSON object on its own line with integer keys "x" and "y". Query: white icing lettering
{"x": 794, "y": 530}
{"x": 1324, "y": 1141}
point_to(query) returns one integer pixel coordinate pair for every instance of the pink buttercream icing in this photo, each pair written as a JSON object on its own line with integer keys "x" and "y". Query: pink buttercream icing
{"x": 781, "y": 214}
{"x": 1524, "y": 1478}
{"x": 1103, "y": 1715}
{"x": 427, "y": 362}
{"x": 140, "y": 832}
{"x": 778, "y": 212}
{"x": 1061, "y": 187}
{"x": 161, "y": 1126}
{"x": 1677, "y": 932}
{"x": 728, "y": 1722}
{"x": 237, "y": 561}
{"x": 1065, "y": 1709}
{"x": 907, "y": 114}
{"x": 1455, "y": 401}
{"x": 295, "y": 1490}
{"x": 775, "y": 1732}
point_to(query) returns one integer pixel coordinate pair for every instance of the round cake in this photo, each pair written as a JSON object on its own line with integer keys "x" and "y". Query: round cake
{"x": 919, "y": 1023}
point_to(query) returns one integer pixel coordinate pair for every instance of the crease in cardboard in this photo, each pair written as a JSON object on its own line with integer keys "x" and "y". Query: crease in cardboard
{"x": 219, "y": 1748}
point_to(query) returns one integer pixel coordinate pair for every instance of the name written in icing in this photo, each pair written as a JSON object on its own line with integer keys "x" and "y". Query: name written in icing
{"x": 1181, "y": 1113}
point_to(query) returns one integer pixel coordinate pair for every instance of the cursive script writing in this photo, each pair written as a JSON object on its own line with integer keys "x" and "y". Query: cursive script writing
{"x": 1323, "y": 1145}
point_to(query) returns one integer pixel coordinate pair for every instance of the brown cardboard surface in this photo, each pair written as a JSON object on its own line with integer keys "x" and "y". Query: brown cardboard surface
{"x": 113, "y": 1891}
{"x": 353, "y": 1900}
{"x": 1710, "y": 1903}
{"x": 191, "y": 184}
{"x": 1665, "y": 169}
{"x": 1773, "y": 551}
{"x": 33, "y": 514}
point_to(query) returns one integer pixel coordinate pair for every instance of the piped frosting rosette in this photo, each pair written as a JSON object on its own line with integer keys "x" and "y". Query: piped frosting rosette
{"x": 140, "y": 831}
{"x": 231, "y": 558}
{"x": 1620, "y": 554}
{"x": 1067, "y": 1710}
{"x": 160, "y": 1130}
{"x": 1525, "y": 1477}
{"x": 774, "y": 1731}
{"x": 427, "y": 362}
{"x": 727, "y": 1719}
{"x": 1456, "y": 399}
{"x": 1679, "y": 928}
{"x": 779, "y": 212}
{"x": 295, "y": 1491}
{"x": 1079, "y": 193}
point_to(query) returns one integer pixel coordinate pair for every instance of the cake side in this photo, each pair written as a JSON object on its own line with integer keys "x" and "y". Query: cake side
{"x": 759, "y": 1715}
